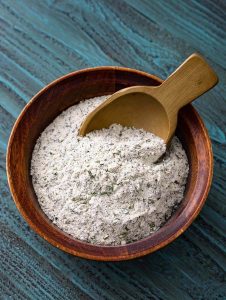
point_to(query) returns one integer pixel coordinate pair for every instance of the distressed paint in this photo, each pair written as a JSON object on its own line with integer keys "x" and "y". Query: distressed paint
{"x": 42, "y": 40}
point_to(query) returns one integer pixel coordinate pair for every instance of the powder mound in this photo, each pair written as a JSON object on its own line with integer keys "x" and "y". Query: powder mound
{"x": 111, "y": 187}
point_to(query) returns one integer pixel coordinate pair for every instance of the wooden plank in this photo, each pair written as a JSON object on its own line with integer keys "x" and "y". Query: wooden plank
{"x": 42, "y": 40}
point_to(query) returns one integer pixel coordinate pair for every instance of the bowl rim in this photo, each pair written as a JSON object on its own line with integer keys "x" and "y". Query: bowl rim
{"x": 124, "y": 255}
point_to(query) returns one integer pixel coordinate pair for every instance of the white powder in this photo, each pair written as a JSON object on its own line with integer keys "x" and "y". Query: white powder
{"x": 106, "y": 188}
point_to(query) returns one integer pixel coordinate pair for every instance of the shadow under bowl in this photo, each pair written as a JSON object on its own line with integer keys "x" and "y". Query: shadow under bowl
{"x": 67, "y": 91}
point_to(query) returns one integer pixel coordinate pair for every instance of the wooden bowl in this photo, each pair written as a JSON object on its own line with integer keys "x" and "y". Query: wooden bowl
{"x": 69, "y": 90}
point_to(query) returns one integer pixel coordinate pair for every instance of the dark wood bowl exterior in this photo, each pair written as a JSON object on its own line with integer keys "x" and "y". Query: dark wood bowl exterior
{"x": 67, "y": 91}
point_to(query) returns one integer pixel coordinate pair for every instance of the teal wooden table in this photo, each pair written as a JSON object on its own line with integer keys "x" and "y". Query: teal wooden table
{"x": 42, "y": 40}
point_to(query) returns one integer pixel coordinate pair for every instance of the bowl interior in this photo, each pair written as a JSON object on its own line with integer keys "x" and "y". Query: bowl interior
{"x": 67, "y": 91}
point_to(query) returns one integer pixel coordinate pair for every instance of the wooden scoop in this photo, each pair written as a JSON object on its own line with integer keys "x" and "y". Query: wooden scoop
{"x": 154, "y": 109}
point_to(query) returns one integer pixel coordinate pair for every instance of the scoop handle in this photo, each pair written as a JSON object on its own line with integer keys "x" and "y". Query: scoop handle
{"x": 189, "y": 81}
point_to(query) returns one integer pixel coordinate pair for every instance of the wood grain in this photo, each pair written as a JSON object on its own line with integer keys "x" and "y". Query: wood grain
{"x": 42, "y": 40}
